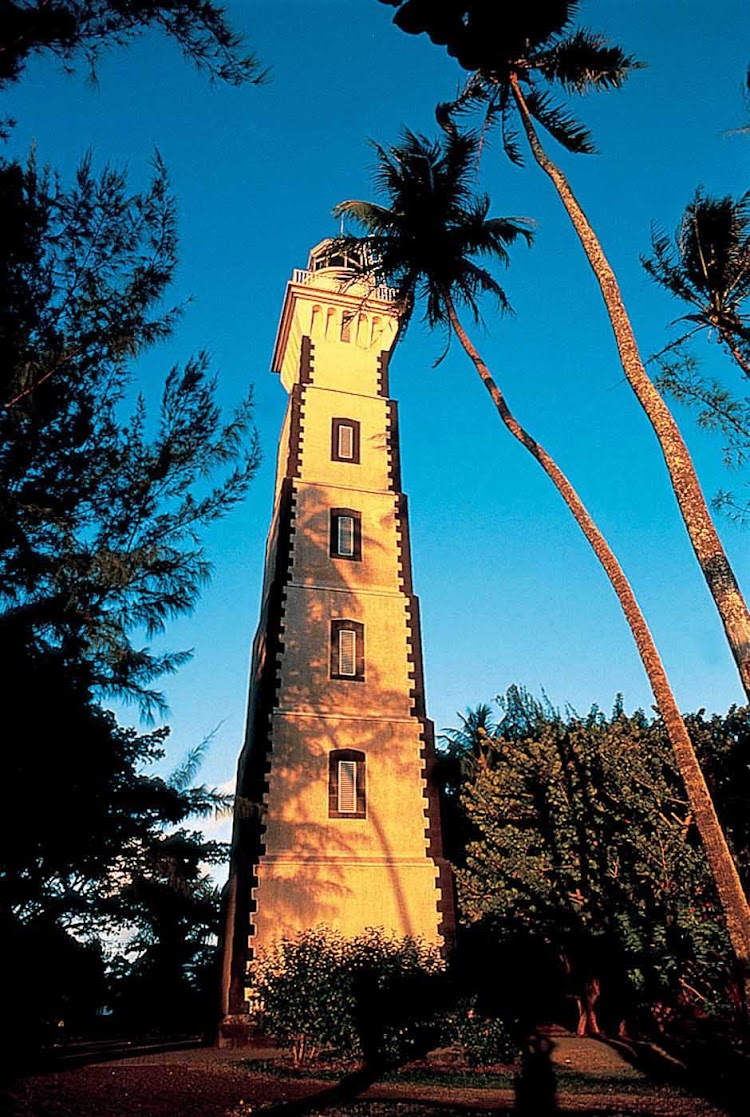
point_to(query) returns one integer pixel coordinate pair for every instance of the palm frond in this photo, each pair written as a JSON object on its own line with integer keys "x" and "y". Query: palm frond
{"x": 474, "y": 282}
{"x": 664, "y": 266}
{"x": 584, "y": 61}
{"x": 707, "y": 265}
{"x": 713, "y": 240}
{"x": 561, "y": 125}
{"x": 372, "y": 217}
{"x": 421, "y": 238}
{"x": 477, "y": 90}
{"x": 508, "y": 134}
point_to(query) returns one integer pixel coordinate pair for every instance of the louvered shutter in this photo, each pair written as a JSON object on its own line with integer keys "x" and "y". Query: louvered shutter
{"x": 345, "y": 536}
{"x": 347, "y": 786}
{"x": 346, "y": 441}
{"x": 347, "y": 652}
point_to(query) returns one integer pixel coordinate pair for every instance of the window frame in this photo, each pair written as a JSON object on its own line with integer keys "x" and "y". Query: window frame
{"x": 346, "y": 625}
{"x": 335, "y": 757}
{"x": 336, "y": 424}
{"x": 335, "y": 516}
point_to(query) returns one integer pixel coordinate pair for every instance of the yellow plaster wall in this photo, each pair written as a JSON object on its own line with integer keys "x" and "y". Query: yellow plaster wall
{"x": 305, "y": 666}
{"x": 313, "y": 565}
{"x": 322, "y": 405}
{"x": 398, "y": 896}
{"x": 351, "y": 873}
{"x": 319, "y": 314}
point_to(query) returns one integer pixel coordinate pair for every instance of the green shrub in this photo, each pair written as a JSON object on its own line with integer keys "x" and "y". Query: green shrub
{"x": 484, "y": 1040}
{"x": 370, "y": 997}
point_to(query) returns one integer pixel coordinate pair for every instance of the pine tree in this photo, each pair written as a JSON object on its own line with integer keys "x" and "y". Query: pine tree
{"x": 68, "y": 28}
{"x": 102, "y": 508}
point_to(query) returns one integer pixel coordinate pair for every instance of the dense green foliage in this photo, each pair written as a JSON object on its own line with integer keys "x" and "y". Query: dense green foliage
{"x": 372, "y": 997}
{"x": 103, "y": 504}
{"x": 582, "y": 837}
{"x": 484, "y": 1040}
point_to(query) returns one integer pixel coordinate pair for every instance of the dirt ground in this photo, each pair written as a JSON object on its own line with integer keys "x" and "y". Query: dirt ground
{"x": 579, "y": 1076}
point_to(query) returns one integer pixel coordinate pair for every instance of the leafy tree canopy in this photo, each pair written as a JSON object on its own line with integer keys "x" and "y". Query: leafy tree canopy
{"x": 582, "y": 834}
{"x": 71, "y": 27}
{"x": 100, "y": 853}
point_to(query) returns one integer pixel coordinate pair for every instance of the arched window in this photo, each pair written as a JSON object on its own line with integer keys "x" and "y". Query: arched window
{"x": 377, "y": 329}
{"x": 362, "y": 330}
{"x": 316, "y": 325}
{"x": 330, "y": 322}
{"x": 346, "y": 326}
{"x": 347, "y": 784}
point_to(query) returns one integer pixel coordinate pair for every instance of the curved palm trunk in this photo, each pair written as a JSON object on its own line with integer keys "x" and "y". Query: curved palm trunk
{"x": 721, "y": 863}
{"x": 706, "y": 543}
{"x": 728, "y": 340}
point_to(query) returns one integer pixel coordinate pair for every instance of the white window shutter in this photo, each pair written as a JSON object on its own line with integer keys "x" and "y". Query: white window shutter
{"x": 347, "y": 786}
{"x": 346, "y": 536}
{"x": 346, "y": 441}
{"x": 347, "y": 651}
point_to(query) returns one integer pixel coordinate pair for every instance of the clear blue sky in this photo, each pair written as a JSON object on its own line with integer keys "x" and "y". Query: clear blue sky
{"x": 509, "y": 590}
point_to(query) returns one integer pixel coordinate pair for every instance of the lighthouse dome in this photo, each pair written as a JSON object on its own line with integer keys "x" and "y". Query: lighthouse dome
{"x": 327, "y": 256}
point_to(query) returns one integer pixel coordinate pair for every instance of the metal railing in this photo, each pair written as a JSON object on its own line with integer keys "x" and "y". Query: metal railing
{"x": 305, "y": 277}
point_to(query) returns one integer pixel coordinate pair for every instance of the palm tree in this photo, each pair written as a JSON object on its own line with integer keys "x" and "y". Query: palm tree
{"x": 516, "y": 55}
{"x": 422, "y": 243}
{"x": 708, "y": 267}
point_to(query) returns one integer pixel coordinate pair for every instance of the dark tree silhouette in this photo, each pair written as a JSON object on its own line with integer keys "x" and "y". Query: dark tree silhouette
{"x": 67, "y": 28}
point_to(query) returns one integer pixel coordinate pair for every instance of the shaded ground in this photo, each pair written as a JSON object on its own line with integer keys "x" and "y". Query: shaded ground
{"x": 571, "y": 1075}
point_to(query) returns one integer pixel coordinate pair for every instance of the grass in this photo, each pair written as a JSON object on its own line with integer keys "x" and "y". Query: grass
{"x": 628, "y": 1082}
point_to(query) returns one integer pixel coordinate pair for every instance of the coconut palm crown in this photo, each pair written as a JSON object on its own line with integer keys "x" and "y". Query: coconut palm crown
{"x": 708, "y": 266}
{"x": 423, "y": 242}
{"x": 536, "y": 44}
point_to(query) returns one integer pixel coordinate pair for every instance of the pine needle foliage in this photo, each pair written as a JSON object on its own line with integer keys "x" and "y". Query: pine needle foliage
{"x": 103, "y": 504}
{"x": 67, "y": 28}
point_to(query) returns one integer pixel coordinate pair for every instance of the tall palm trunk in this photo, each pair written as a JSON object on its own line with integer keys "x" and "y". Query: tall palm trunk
{"x": 721, "y": 863}
{"x": 726, "y": 337}
{"x": 706, "y": 544}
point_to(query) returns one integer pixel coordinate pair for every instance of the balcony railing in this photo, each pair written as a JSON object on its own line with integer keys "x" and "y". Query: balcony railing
{"x": 385, "y": 294}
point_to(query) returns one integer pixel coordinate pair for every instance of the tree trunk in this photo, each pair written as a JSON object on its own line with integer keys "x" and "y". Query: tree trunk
{"x": 722, "y": 866}
{"x": 588, "y": 1025}
{"x": 728, "y": 340}
{"x": 713, "y": 561}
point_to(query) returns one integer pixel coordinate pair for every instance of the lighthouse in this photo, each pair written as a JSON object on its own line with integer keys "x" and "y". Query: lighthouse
{"x": 336, "y": 818}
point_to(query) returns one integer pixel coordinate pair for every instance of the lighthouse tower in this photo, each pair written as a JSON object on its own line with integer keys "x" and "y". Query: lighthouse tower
{"x": 336, "y": 820}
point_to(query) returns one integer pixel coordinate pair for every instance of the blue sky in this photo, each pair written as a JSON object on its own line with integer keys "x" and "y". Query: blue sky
{"x": 509, "y": 590}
